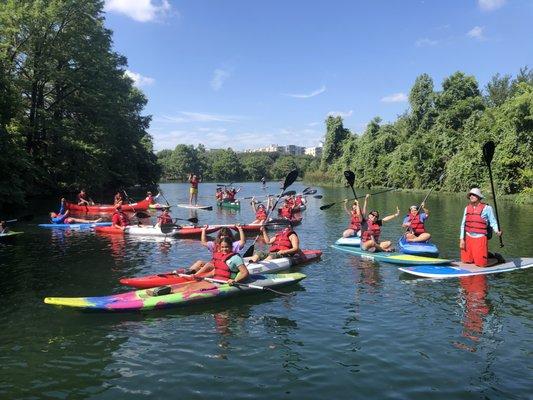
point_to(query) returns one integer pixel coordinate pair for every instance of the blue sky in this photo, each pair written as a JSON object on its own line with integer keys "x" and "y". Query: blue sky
{"x": 245, "y": 74}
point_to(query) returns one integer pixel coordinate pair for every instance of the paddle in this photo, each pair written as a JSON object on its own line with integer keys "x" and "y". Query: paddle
{"x": 168, "y": 228}
{"x": 288, "y": 193}
{"x": 307, "y": 189}
{"x": 326, "y": 206}
{"x": 309, "y": 192}
{"x": 350, "y": 178}
{"x": 289, "y": 180}
{"x": 24, "y": 218}
{"x": 318, "y": 196}
{"x": 431, "y": 190}
{"x": 488, "y": 153}
{"x": 248, "y": 286}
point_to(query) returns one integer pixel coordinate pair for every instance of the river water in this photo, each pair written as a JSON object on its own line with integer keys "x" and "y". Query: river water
{"x": 355, "y": 329}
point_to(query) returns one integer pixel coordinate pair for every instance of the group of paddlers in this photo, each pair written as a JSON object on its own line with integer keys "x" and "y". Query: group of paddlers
{"x": 477, "y": 226}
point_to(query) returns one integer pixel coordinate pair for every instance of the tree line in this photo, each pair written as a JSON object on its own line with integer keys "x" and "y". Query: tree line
{"x": 442, "y": 132}
{"x": 226, "y": 165}
{"x": 69, "y": 117}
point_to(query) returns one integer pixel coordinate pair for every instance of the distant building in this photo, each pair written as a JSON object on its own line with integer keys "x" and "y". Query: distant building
{"x": 290, "y": 149}
{"x": 294, "y": 150}
{"x": 313, "y": 151}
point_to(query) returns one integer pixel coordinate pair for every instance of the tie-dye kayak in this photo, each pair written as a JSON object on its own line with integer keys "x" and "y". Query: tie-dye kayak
{"x": 178, "y": 295}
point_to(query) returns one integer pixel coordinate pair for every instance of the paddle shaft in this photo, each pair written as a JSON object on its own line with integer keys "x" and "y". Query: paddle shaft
{"x": 495, "y": 204}
{"x": 248, "y": 285}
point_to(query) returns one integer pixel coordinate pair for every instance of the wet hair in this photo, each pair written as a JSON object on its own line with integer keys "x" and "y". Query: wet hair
{"x": 226, "y": 240}
{"x": 225, "y": 232}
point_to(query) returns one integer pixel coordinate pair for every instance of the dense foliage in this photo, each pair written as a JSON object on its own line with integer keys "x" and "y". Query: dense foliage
{"x": 443, "y": 131}
{"x": 225, "y": 165}
{"x": 69, "y": 117}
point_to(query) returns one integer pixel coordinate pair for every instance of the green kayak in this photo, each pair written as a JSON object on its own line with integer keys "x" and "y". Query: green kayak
{"x": 229, "y": 204}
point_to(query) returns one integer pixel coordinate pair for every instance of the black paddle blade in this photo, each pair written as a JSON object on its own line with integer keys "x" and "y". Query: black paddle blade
{"x": 350, "y": 177}
{"x": 289, "y": 193}
{"x": 167, "y": 228}
{"x": 327, "y": 206}
{"x": 318, "y": 196}
{"x": 307, "y": 189}
{"x": 311, "y": 191}
{"x": 488, "y": 151}
{"x": 249, "y": 252}
{"x": 194, "y": 220}
{"x": 290, "y": 178}
{"x": 142, "y": 215}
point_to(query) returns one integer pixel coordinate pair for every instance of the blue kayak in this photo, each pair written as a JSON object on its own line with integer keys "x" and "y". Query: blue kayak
{"x": 427, "y": 249}
{"x": 75, "y": 226}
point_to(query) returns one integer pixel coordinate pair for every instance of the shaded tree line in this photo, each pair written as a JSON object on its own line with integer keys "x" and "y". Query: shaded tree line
{"x": 442, "y": 131}
{"x": 226, "y": 165}
{"x": 69, "y": 117}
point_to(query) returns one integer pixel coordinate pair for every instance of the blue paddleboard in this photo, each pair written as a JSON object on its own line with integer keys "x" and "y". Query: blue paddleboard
{"x": 393, "y": 258}
{"x": 417, "y": 248}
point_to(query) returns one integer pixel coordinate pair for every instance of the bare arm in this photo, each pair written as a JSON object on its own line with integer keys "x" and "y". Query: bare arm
{"x": 203, "y": 236}
{"x": 392, "y": 216}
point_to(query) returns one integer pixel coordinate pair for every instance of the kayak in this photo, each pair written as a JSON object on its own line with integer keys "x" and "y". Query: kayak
{"x": 261, "y": 267}
{"x": 9, "y": 236}
{"x": 208, "y": 208}
{"x": 417, "y": 248}
{"x": 75, "y": 226}
{"x": 108, "y": 208}
{"x": 392, "y": 257}
{"x": 157, "y": 206}
{"x": 349, "y": 241}
{"x": 188, "y": 230}
{"x": 229, "y": 204}
{"x": 459, "y": 269}
{"x": 180, "y": 294}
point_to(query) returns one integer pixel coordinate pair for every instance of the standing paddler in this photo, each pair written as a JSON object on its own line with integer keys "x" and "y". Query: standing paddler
{"x": 193, "y": 190}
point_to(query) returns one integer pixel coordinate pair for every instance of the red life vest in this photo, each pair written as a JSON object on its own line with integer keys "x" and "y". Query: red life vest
{"x": 285, "y": 212}
{"x": 298, "y": 201}
{"x": 473, "y": 222}
{"x": 261, "y": 214}
{"x": 355, "y": 221}
{"x": 416, "y": 225}
{"x": 222, "y": 270}
{"x": 282, "y": 240}
{"x": 164, "y": 219}
{"x": 194, "y": 183}
{"x": 121, "y": 219}
{"x": 373, "y": 230}
{"x": 219, "y": 195}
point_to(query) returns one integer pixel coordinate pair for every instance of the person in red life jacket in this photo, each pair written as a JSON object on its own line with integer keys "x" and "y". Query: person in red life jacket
{"x": 225, "y": 264}
{"x": 284, "y": 244}
{"x": 219, "y": 194}
{"x": 119, "y": 220}
{"x": 478, "y": 218}
{"x": 193, "y": 190}
{"x": 63, "y": 218}
{"x": 355, "y": 214}
{"x": 261, "y": 212}
{"x": 164, "y": 218}
{"x": 150, "y": 197}
{"x": 414, "y": 223}
{"x": 299, "y": 200}
{"x": 370, "y": 234}
{"x": 83, "y": 199}
{"x": 118, "y": 200}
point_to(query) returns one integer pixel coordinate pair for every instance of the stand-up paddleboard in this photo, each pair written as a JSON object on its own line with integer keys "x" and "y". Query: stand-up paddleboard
{"x": 393, "y": 258}
{"x": 354, "y": 241}
{"x": 209, "y": 208}
{"x": 458, "y": 269}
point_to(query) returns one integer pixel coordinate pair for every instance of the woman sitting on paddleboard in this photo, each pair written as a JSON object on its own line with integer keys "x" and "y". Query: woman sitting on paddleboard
{"x": 225, "y": 264}
{"x": 284, "y": 244}
{"x": 371, "y": 232}
{"x": 355, "y": 214}
{"x": 414, "y": 223}
{"x": 213, "y": 246}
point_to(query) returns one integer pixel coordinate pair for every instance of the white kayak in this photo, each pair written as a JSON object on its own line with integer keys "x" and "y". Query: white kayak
{"x": 150, "y": 231}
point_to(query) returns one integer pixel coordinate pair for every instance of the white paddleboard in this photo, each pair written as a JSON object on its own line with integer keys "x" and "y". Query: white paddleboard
{"x": 194, "y": 207}
{"x": 459, "y": 269}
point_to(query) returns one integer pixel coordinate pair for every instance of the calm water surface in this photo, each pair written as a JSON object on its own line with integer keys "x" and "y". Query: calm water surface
{"x": 354, "y": 329}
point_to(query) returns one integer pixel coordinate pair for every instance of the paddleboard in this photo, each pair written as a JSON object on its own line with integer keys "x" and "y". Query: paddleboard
{"x": 417, "y": 248}
{"x": 393, "y": 258}
{"x": 458, "y": 269}
{"x": 75, "y": 226}
{"x": 209, "y": 208}
{"x": 349, "y": 241}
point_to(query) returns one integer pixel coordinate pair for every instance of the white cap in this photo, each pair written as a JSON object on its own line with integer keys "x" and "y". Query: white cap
{"x": 476, "y": 192}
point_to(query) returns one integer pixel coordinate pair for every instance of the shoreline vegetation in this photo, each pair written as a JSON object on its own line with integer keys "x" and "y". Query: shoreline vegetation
{"x": 70, "y": 118}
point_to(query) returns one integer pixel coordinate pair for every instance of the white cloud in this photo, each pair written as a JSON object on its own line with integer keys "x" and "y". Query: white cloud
{"x": 426, "y": 42}
{"x": 186, "y": 116}
{"x": 139, "y": 10}
{"x": 313, "y": 123}
{"x": 489, "y": 5}
{"x": 343, "y": 114}
{"x": 476, "y": 33}
{"x": 395, "y": 98}
{"x": 138, "y": 79}
{"x": 219, "y": 77}
{"x": 306, "y": 96}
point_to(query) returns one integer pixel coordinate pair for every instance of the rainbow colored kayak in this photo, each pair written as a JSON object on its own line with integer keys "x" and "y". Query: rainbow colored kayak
{"x": 178, "y": 295}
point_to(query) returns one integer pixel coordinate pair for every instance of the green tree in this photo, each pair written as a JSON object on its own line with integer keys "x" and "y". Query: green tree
{"x": 335, "y": 135}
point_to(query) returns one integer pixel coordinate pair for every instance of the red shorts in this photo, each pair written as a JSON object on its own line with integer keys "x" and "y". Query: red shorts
{"x": 476, "y": 251}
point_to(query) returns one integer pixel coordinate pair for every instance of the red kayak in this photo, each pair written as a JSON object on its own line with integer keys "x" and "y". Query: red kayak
{"x": 272, "y": 266}
{"x": 108, "y": 208}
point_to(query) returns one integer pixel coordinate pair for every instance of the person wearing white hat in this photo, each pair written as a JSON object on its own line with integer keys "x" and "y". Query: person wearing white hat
{"x": 478, "y": 221}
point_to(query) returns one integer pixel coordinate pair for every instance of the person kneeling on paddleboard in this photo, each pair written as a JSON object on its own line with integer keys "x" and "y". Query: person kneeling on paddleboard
{"x": 355, "y": 217}
{"x": 371, "y": 231}
{"x": 476, "y": 228}
{"x": 284, "y": 244}
{"x": 119, "y": 220}
{"x": 414, "y": 223}
{"x": 225, "y": 264}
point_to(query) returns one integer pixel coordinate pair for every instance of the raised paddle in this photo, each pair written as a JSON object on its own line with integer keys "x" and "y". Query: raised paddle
{"x": 488, "y": 153}
{"x": 326, "y": 206}
{"x": 288, "y": 193}
{"x": 431, "y": 190}
{"x": 24, "y": 218}
{"x": 289, "y": 180}
{"x": 350, "y": 178}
